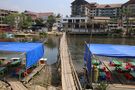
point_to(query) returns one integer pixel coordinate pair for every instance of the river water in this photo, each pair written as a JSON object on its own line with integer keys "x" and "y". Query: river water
{"x": 77, "y": 42}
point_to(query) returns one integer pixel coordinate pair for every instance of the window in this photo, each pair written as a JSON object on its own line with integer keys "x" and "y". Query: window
{"x": 64, "y": 19}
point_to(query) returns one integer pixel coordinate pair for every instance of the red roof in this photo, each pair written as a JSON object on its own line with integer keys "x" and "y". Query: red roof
{"x": 39, "y": 15}
{"x": 45, "y": 14}
{"x": 109, "y": 5}
{"x": 30, "y": 13}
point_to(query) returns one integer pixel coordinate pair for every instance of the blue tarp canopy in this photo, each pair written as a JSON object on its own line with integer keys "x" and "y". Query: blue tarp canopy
{"x": 34, "y": 51}
{"x": 108, "y": 50}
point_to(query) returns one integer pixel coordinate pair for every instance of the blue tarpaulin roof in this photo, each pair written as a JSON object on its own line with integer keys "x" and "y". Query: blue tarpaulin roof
{"x": 34, "y": 51}
{"x": 121, "y": 51}
{"x": 108, "y": 50}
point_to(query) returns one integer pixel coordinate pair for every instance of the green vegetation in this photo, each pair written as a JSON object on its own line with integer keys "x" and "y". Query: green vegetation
{"x": 116, "y": 33}
{"x": 22, "y": 21}
{"x": 126, "y": 12}
{"x": 40, "y": 22}
{"x": 51, "y": 20}
{"x": 126, "y": 19}
{"x": 2, "y": 35}
{"x": 43, "y": 34}
{"x": 19, "y": 21}
{"x": 25, "y": 21}
{"x": 58, "y": 16}
{"x": 11, "y": 19}
{"x": 102, "y": 86}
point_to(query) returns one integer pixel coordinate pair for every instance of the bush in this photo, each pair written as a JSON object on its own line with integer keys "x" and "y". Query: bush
{"x": 43, "y": 34}
{"x": 118, "y": 31}
{"x": 102, "y": 86}
{"x": 2, "y": 35}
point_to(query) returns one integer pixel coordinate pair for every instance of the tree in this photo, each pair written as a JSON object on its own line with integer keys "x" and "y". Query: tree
{"x": 25, "y": 21}
{"x": 131, "y": 29}
{"x": 11, "y": 19}
{"x": 58, "y": 16}
{"x": 39, "y": 22}
{"x": 126, "y": 12}
{"x": 50, "y": 21}
{"x": 20, "y": 21}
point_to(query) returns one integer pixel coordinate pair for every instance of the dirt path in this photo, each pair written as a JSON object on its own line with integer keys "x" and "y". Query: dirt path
{"x": 45, "y": 79}
{"x": 41, "y": 79}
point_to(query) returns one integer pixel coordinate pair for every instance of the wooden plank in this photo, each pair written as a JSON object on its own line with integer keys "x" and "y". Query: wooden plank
{"x": 16, "y": 85}
{"x": 37, "y": 87}
{"x": 67, "y": 78}
{"x": 51, "y": 88}
{"x": 33, "y": 73}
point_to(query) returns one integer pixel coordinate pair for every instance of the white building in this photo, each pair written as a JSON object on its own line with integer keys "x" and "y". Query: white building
{"x": 74, "y": 23}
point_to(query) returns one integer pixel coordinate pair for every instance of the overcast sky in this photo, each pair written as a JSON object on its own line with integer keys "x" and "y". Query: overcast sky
{"x": 56, "y": 6}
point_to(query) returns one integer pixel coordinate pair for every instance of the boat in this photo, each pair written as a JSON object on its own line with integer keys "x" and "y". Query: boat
{"x": 15, "y": 62}
{"x": 3, "y": 60}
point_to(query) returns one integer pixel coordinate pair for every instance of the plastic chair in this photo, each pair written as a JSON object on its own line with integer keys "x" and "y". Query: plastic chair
{"x": 111, "y": 63}
{"x": 18, "y": 69}
{"x": 25, "y": 74}
{"x": 104, "y": 69}
{"x": 127, "y": 67}
{"x": 108, "y": 75}
{"x": 102, "y": 78}
{"x": 28, "y": 71}
{"x": 13, "y": 74}
{"x": 128, "y": 76}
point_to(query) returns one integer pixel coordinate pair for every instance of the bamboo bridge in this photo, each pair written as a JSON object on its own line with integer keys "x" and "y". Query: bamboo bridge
{"x": 69, "y": 76}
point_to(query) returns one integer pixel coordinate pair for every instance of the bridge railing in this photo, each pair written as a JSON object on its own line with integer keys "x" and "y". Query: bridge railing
{"x": 74, "y": 73}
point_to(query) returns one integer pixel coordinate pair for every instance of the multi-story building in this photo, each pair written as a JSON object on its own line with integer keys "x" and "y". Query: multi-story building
{"x": 108, "y": 10}
{"x": 35, "y": 15}
{"x": 3, "y": 14}
{"x": 45, "y": 15}
{"x": 130, "y": 6}
{"x": 77, "y": 8}
{"x": 111, "y": 12}
{"x": 83, "y": 24}
{"x": 83, "y": 8}
{"x": 74, "y": 22}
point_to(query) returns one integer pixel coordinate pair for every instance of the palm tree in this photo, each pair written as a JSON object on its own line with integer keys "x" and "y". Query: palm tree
{"x": 126, "y": 12}
{"x": 131, "y": 21}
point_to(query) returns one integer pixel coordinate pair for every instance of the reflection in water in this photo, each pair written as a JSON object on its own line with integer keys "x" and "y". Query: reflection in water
{"x": 51, "y": 43}
{"x": 76, "y": 46}
{"x": 52, "y": 49}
